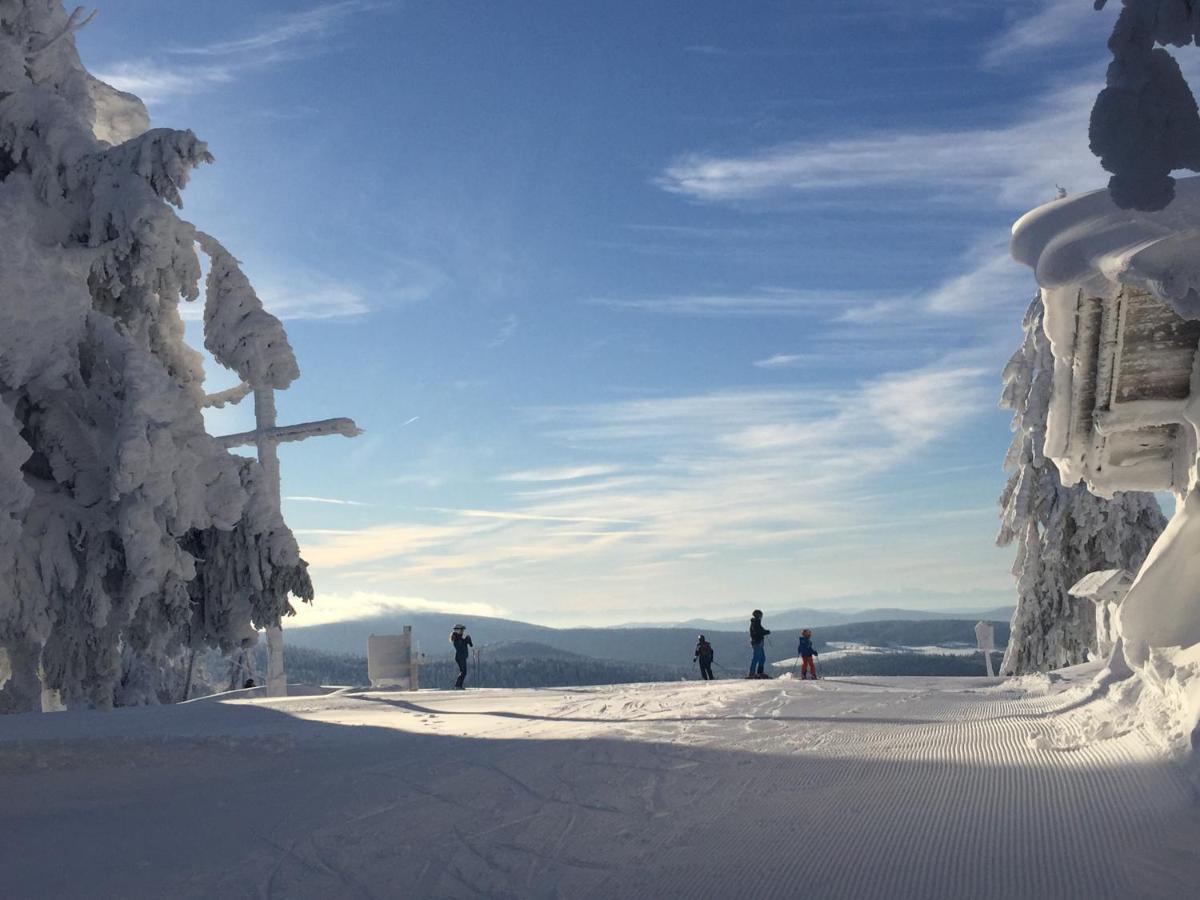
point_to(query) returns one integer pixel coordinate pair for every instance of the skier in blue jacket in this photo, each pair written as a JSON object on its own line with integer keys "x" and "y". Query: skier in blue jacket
{"x": 806, "y": 653}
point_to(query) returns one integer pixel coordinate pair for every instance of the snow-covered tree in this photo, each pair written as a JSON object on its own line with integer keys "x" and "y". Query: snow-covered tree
{"x": 113, "y": 498}
{"x": 1061, "y": 533}
{"x": 1145, "y": 122}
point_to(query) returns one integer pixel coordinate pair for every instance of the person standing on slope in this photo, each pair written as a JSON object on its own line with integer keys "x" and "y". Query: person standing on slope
{"x": 462, "y": 646}
{"x": 758, "y": 635}
{"x": 806, "y": 653}
{"x": 704, "y": 653}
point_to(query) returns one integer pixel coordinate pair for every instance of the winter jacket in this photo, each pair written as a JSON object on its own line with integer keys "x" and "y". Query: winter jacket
{"x": 704, "y": 651}
{"x": 757, "y": 632}
{"x": 461, "y": 644}
{"x": 805, "y": 648}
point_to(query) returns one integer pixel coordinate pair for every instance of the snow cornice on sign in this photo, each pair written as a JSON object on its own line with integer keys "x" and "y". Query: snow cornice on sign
{"x": 1086, "y": 239}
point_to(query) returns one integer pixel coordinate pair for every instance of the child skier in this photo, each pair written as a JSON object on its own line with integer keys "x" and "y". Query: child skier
{"x": 806, "y": 653}
{"x": 704, "y": 653}
{"x": 462, "y": 644}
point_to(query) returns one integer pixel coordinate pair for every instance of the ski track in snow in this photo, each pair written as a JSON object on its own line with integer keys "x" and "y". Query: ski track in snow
{"x": 842, "y": 788}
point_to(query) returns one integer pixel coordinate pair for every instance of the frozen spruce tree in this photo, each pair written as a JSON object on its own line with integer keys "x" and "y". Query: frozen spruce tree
{"x": 1145, "y": 123}
{"x": 127, "y": 533}
{"x": 1061, "y": 533}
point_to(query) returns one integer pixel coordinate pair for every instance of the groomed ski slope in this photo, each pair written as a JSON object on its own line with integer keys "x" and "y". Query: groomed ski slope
{"x": 855, "y": 788}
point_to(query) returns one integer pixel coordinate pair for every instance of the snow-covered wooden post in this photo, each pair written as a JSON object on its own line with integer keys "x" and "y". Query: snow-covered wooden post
{"x": 244, "y": 337}
{"x": 266, "y": 437}
{"x": 1121, "y": 289}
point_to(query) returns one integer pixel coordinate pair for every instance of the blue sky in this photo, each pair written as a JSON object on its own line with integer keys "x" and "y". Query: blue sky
{"x": 649, "y": 310}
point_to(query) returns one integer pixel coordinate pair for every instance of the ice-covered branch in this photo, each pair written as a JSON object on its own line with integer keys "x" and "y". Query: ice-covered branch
{"x": 74, "y": 23}
{"x": 283, "y": 434}
{"x": 232, "y": 396}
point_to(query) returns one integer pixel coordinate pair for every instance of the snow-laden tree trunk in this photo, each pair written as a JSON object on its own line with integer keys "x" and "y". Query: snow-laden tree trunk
{"x": 107, "y": 475}
{"x": 1061, "y": 533}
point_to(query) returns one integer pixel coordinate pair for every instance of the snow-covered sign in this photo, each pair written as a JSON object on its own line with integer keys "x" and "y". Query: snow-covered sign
{"x": 1107, "y": 586}
{"x": 1106, "y": 589}
{"x": 985, "y": 635}
{"x": 390, "y": 662}
{"x": 1121, "y": 314}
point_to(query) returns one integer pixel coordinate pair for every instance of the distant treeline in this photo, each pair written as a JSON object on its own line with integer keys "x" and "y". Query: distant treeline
{"x": 319, "y": 667}
{"x": 655, "y": 646}
{"x": 906, "y": 634}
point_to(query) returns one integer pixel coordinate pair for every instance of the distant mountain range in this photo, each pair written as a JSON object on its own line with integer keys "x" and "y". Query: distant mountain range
{"x": 653, "y": 645}
{"x": 820, "y": 618}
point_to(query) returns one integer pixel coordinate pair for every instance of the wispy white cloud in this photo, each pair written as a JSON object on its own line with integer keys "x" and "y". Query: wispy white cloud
{"x": 781, "y": 361}
{"x": 507, "y": 329}
{"x": 174, "y": 73}
{"x": 987, "y": 281}
{"x": 764, "y": 302}
{"x": 156, "y": 81}
{"x": 327, "y": 300}
{"x": 315, "y": 298}
{"x": 1014, "y": 165}
{"x": 330, "y": 500}
{"x": 509, "y": 516}
{"x": 877, "y": 311}
{"x": 733, "y": 471}
{"x": 1056, "y": 22}
{"x": 310, "y": 295}
{"x": 286, "y": 31}
{"x": 570, "y": 473}
{"x": 990, "y": 279}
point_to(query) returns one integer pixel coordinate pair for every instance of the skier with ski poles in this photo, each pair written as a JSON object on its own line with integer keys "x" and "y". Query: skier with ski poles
{"x": 704, "y": 655}
{"x": 758, "y": 657}
{"x": 462, "y": 647}
{"x": 805, "y": 651}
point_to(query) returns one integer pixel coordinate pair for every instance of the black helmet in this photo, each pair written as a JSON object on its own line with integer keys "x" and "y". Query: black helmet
{"x": 757, "y": 614}
{"x": 700, "y": 638}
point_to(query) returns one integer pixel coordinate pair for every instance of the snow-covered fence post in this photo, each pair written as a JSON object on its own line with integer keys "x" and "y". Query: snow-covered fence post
{"x": 268, "y": 458}
{"x": 985, "y": 636}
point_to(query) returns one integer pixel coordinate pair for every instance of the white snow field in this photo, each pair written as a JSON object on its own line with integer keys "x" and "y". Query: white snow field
{"x": 855, "y": 788}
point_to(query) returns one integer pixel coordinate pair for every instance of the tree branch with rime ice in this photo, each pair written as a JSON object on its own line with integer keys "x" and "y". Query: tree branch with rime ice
{"x": 1145, "y": 123}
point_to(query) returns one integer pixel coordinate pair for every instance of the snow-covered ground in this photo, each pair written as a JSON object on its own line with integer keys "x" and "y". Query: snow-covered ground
{"x": 856, "y": 788}
{"x": 842, "y": 649}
